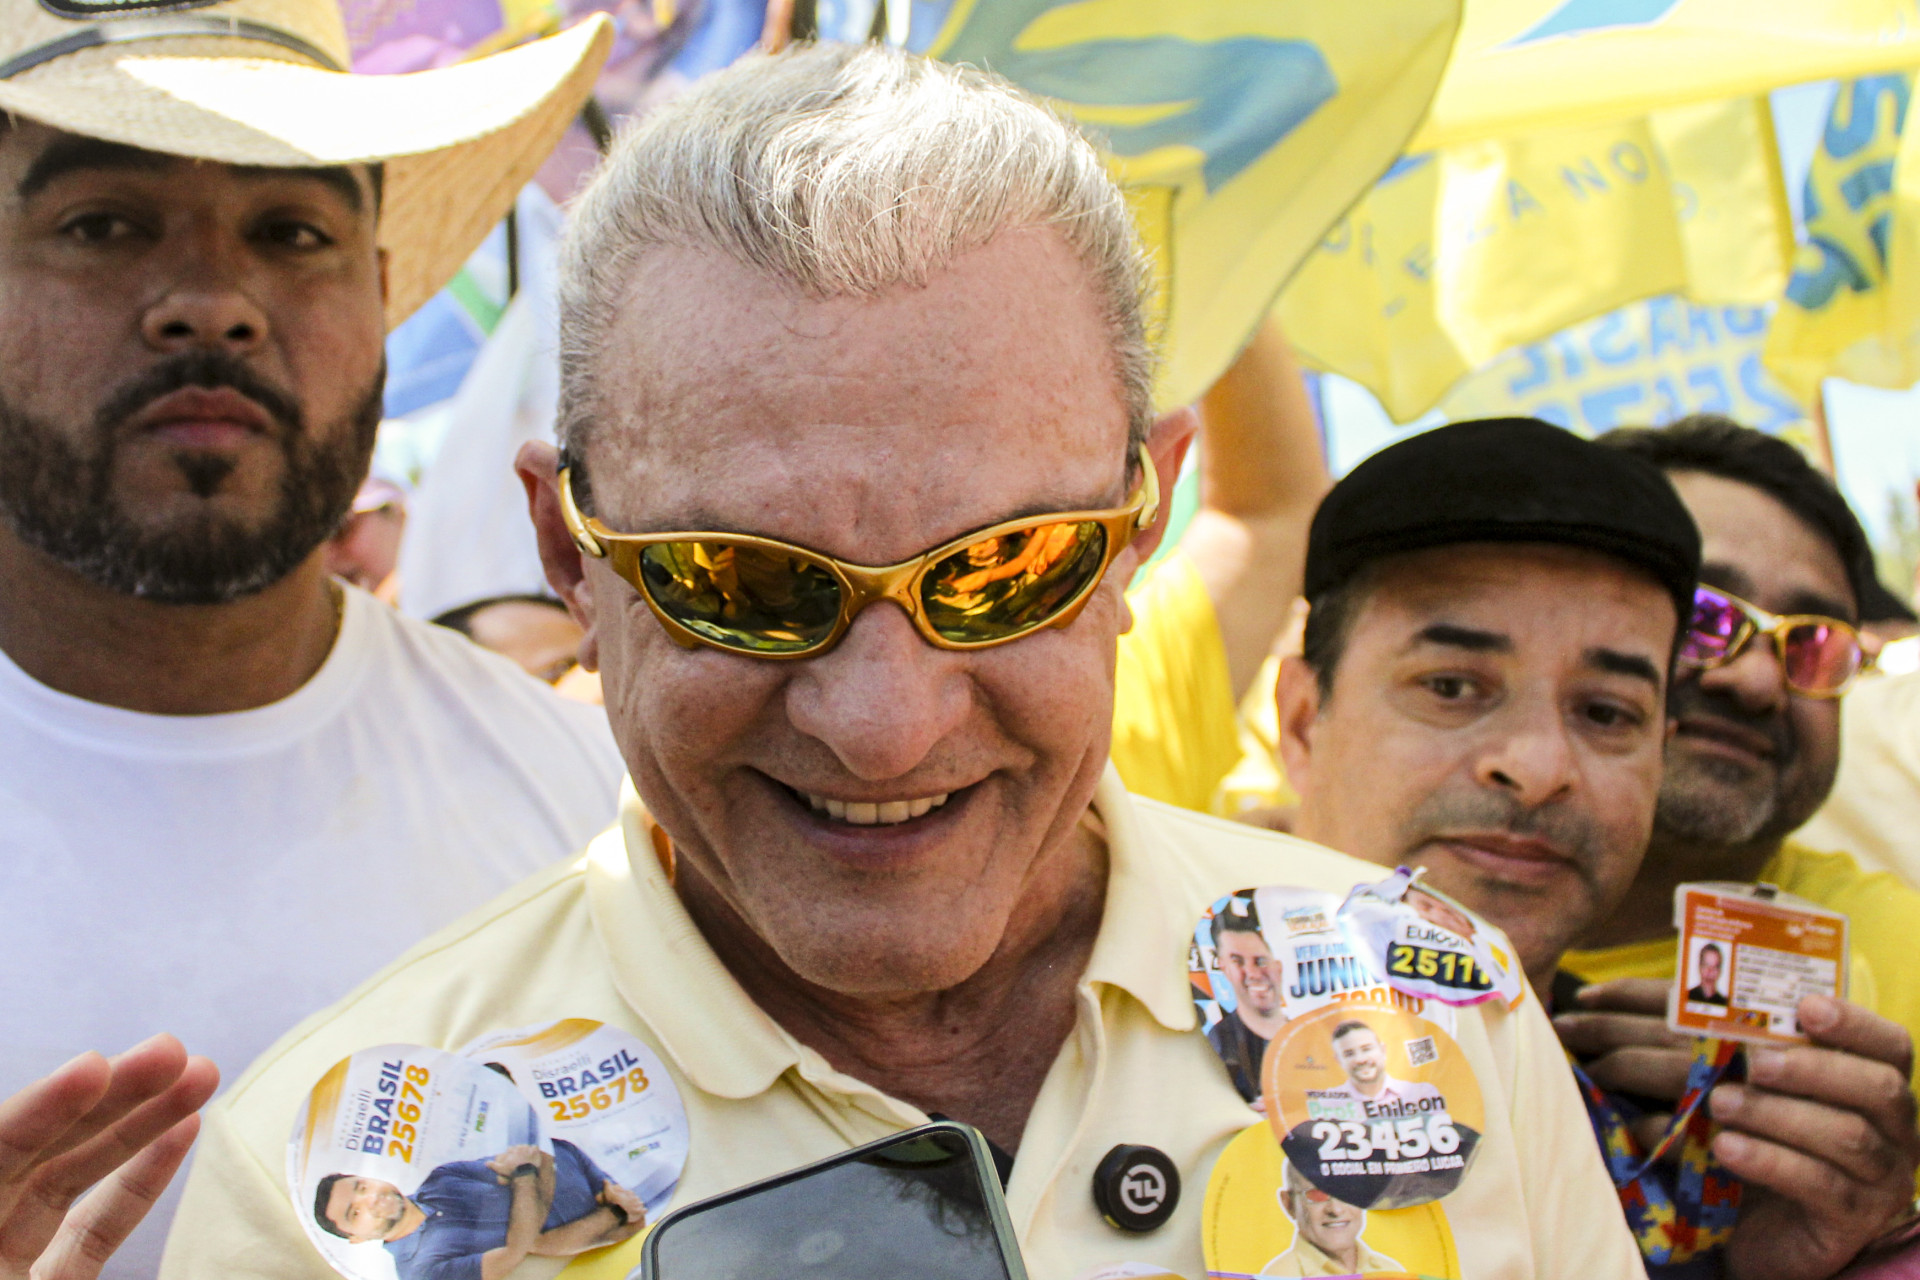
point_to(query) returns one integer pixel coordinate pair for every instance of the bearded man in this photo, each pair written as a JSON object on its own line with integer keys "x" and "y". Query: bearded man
{"x": 230, "y": 787}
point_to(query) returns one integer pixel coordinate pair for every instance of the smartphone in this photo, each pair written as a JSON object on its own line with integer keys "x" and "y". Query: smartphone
{"x": 924, "y": 1203}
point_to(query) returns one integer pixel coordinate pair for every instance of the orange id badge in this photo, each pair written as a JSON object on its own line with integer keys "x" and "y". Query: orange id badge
{"x": 1748, "y": 955}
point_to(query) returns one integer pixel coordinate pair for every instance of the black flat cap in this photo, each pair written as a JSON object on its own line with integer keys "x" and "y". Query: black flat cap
{"x": 1504, "y": 480}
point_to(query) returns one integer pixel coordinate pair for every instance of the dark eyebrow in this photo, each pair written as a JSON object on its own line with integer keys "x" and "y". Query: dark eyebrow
{"x": 1824, "y": 605}
{"x": 72, "y": 155}
{"x": 79, "y": 155}
{"x": 1455, "y": 637}
{"x": 1623, "y": 664}
{"x": 1728, "y": 578}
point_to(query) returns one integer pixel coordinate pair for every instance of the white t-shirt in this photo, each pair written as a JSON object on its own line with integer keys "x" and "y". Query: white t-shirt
{"x": 222, "y": 877}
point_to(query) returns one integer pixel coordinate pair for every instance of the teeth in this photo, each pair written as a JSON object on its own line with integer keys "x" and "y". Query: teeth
{"x": 879, "y": 814}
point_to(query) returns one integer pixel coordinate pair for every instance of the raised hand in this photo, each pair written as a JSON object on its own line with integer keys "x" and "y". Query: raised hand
{"x": 1823, "y": 1137}
{"x": 123, "y": 1123}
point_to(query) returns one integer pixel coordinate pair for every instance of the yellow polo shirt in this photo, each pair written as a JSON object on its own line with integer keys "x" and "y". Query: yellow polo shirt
{"x": 606, "y": 938}
{"x": 1174, "y": 734}
{"x": 1883, "y": 916}
{"x": 1177, "y": 736}
{"x": 1874, "y": 810}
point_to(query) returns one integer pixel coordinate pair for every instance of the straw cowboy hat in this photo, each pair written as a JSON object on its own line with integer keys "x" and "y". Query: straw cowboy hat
{"x": 265, "y": 82}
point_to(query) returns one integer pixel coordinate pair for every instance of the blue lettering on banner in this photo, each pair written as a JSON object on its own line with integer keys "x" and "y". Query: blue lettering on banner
{"x": 1611, "y": 407}
{"x": 1536, "y": 375}
{"x": 1610, "y": 346}
{"x": 1855, "y": 119}
{"x": 1521, "y": 201}
{"x": 1662, "y": 333}
{"x": 1584, "y": 177}
{"x": 1645, "y": 364}
{"x": 1865, "y": 111}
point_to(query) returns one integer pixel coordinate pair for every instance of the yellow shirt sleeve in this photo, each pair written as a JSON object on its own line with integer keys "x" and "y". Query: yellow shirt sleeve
{"x": 1174, "y": 731}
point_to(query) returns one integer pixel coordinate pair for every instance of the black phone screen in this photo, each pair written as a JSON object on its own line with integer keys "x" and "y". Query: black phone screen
{"x": 917, "y": 1207}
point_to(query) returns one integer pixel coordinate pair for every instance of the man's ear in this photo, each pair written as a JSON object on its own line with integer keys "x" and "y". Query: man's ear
{"x": 1297, "y": 700}
{"x": 538, "y": 464}
{"x": 1167, "y": 444}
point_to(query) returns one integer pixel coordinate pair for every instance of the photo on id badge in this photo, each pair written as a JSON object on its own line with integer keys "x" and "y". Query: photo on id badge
{"x": 407, "y": 1163}
{"x": 1709, "y": 973}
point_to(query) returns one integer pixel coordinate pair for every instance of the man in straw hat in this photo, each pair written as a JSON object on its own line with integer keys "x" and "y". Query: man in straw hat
{"x": 829, "y": 311}
{"x": 230, "y": 787}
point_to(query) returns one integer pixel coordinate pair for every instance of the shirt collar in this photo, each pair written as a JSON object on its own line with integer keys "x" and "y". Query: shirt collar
{"x": 667, "y": 972}
{"x": 1145, "y": 935}
{"x": 728, "y": 1046}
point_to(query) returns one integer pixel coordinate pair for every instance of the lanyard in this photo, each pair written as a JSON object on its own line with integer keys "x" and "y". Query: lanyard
{"x": 1697, "y": 1213}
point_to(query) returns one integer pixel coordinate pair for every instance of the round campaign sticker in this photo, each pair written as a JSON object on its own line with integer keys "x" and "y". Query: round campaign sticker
{"x": 1375, "y": 1106}
{"x": 1263, "y": 1217}
{"x": 407, "y": 1163}
{"x": 1426, "y": 944}
{"x": 601, "y": 1089}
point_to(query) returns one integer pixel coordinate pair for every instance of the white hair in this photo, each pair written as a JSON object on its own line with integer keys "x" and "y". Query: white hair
{"x": 845, "y": 170}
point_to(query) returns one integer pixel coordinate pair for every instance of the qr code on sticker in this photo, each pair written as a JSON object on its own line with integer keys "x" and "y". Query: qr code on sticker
{"x": 1420, "y": 1052}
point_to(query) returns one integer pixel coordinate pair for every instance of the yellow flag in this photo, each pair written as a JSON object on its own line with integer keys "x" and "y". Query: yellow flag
{"x": 1241, "y": 129}
{"x": 1458, "y": 256}
{"x": 1849, "y": 309}
{"x": 1527, "y": 65}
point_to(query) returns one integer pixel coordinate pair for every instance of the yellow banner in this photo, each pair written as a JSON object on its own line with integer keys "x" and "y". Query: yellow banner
{"x": 1242, "y": 129}
{"x": 1458, "y": 256}
{"x": 1527, "y": 65}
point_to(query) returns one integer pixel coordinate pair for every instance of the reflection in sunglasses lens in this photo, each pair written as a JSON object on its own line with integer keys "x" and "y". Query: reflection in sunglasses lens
{"x": 754, "y": 599}
{"x": 1013, "y": 582}
{"x": 1820, "y": 658}
{"x": 1716, "y": 622}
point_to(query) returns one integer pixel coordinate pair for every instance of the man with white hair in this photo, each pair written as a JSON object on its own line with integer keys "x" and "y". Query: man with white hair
{"x": 859, "y": 454}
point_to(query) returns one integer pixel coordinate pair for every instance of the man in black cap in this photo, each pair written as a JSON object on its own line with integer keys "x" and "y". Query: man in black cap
{"x": 1494, "y": 611}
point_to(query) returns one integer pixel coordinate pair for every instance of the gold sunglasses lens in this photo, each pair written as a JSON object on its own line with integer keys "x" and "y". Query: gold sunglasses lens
{"x": 1012, "y": 583}
{"x": 739, "y": 596}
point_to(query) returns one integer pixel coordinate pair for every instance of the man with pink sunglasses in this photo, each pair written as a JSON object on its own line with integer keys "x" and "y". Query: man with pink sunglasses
{"x": 1756, "y": 703}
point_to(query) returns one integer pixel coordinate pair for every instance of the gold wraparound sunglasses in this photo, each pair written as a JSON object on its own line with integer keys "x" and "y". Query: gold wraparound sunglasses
{"x": 772, "y": 599}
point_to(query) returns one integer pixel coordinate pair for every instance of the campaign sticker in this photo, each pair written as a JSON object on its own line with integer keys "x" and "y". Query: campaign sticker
{"x": 1374, "y": 1106}
{"x": 601, "y": 1089}
{"x": 1262, "y": 957}
{"x": 406, "y": 1161}
{"x": 1426, "y": 944}
{"x": 1264, "y": 1217}
{"x": 1748, "y": 955}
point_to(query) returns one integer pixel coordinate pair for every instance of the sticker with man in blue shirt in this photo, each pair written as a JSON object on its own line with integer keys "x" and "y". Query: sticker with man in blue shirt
{"x": 413, "y": 1163}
